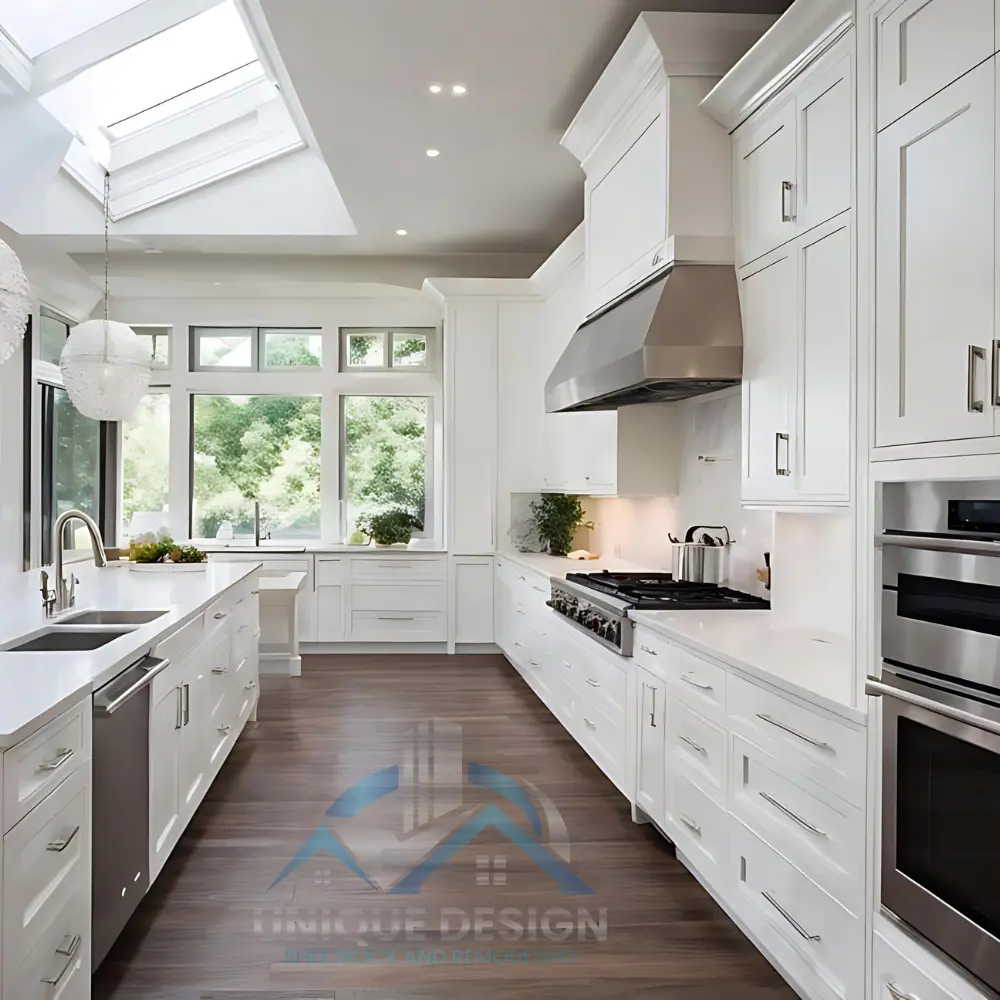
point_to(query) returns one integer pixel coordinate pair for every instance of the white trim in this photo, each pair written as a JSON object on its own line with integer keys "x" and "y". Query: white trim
{"x": 16, "y": 68}
{"x": 799, "y": 37}
{"x": 388, "y": 333}
{"x": 63, "y": 62}
{"x": 369, "y": 648}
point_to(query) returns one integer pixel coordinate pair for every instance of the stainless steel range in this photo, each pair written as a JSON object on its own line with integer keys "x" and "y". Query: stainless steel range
{"x": 599, "y": 603}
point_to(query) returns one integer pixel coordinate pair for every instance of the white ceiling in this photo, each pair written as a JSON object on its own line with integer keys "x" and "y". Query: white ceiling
{"x": 361, "y": 70}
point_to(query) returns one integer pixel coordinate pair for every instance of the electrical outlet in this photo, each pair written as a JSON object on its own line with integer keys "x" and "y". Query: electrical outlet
{"x": 618, "y": 552}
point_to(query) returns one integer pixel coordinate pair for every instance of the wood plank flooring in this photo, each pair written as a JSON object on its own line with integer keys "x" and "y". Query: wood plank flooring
{"x": 211, "y": 926}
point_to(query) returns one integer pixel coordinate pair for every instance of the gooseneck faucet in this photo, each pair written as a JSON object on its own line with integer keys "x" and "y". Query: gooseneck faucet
{"x": 65, "y": 593}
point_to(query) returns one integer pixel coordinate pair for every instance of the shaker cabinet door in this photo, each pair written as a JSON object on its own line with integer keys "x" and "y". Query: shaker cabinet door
{"x": 934, "y": 272}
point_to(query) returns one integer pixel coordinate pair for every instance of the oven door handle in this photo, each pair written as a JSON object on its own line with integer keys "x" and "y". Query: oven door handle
{"x": 965, "y": 546}
{"x": 877, "y": 689}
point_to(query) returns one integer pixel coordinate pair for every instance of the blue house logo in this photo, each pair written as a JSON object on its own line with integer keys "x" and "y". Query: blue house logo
{"x": 423, "y": 820}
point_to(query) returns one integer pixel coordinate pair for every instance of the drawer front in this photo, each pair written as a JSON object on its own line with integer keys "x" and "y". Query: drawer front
{"x": 650, "y": 650}
{"x": 821, "y": 748}
{"x": 33, "y": 768}
{"x": 46, "y": 861}
{"x": 895, "y": 976}
{"x": 602, "y": 736}
{"x": 803, "y": 927}
{"x": 402, "y": 568}
{"x": 924, "y": 45}
{"x": 58, "y": 966}
{"x": 592, "y": 676}
{"x": 387, "y": 626}
{"x": 175, "y": 646}
{"x": 700, "y": 826}
{"x": 218, "y": 615}
{"x": 817, "y": 831}
{"x": 697, "y": 683}
{"x": 330, "y": 570}
{"x": 398, "y": 597}
{"x": 698, "y": 748}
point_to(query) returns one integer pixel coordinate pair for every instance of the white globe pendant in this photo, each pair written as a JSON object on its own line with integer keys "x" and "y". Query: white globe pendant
{"x": 105, "y": 369}
{"x": 15, "y": 302}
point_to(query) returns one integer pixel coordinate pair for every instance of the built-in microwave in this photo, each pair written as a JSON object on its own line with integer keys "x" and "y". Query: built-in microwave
{"x": 940, "y": 690}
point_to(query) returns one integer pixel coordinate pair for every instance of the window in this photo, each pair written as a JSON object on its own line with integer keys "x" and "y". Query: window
{"x": 38, "y": 26}
{"x": 251, "y": 349}
{"x": 384, "y": 350}
{"x": 146, "y": 467}
{"x": 54, "y": 333}
{"x": 255, "y": 448}
{"x": 385, "y": 456}
{"x": 72, "y": 462}
{"x": 159, "y": 343}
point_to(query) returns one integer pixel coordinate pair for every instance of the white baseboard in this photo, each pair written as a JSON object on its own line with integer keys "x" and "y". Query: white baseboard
{"x": 371, "y": 648}
{"x": 281, "y": 664}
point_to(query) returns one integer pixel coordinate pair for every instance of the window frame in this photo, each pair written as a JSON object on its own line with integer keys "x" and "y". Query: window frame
{"x": 430, "y": 466}
{"x": 388, "y": 333}
{"x": 258, "y": 350}
{"x": 153, "y": 331}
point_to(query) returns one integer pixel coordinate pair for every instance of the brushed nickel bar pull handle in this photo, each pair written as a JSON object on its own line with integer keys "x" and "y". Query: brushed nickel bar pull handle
{"x": 179, "y": 720}
{"x": 221, "y": 670}
{"x": 593, "y": 683}
{"x": 689, "y": 679}
{"x": 798, "y": 927}
{"x": 652, "y": 711}
{"x": 60, "y": 845}
{"x": 219, "y": 615}
{"x": 187, "y": 704}
{"x": 788, "y": 729}
{"x": 779, "y": 468}
{"x": 395, "y": 618}
{"x": 967, "y": 546}
{"x": 877, "y": 689}
{"x": 975, "y": 354}
{"x": 996, "y": 372}
{"x": 897, "y": 994}
{"x": 69, "y": 947}
{"x": 62, "y": 755}
{"x": 695, "y": 746}
{"x": 787, "y": 212}
{"x": 588, "y": 723}
{"x": 646, "y": 649}
{"x": 690, "y": 823}
{"x": 805, "y": 824}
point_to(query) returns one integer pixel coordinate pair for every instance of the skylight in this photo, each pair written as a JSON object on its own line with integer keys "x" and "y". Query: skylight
{"x": 162, "y": 76}
{"x": 36, "y": 26}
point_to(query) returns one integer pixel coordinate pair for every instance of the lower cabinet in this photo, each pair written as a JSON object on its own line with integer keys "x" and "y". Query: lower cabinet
{"x": 472, "y": 599}
{"x": 650, "y": 775}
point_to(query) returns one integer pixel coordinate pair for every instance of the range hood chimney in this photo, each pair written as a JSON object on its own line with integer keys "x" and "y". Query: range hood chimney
{"x": 675, "y": 336}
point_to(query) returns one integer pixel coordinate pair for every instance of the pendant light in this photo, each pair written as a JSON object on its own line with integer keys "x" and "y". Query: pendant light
{"x": 105, "y": 366}
{"x": 15, "y": 302}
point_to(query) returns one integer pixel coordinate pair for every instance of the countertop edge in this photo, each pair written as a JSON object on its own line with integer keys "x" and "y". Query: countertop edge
{"x": 69, "y": 700}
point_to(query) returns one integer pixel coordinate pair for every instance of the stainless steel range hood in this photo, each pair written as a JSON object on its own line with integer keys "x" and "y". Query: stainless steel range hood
{"x": 677, "y": 335}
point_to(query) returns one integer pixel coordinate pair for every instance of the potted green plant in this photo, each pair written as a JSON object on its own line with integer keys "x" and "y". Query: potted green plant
{"x": 388, "y": 527}
{"x": 557, "y": 518}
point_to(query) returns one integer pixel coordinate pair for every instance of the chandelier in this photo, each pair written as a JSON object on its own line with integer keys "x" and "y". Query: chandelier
{"x": 15, "y": 302}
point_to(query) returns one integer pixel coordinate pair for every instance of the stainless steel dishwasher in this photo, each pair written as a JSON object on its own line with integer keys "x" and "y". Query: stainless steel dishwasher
{"x": 121, "y": 800}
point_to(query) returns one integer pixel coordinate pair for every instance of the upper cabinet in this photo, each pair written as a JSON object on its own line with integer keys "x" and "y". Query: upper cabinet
{"x": 790, "y": 106}
{"x": 658, "y": 185}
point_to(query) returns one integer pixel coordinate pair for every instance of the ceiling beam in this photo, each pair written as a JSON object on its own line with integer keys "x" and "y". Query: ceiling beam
{"x": 15, "y": 68}
{"x": 63, "y": 62}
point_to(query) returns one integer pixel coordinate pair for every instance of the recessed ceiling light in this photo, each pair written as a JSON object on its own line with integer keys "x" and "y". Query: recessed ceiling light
{"x": 435, "y": 88}
{"x": 433, "y": 152}
{"x": 458, "y": 89}
{"x": 401, "y": 232}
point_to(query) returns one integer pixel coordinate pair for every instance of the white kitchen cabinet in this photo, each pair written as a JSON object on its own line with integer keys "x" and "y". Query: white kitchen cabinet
{"x": 935, "y": 266}
{"x": 331, "y": 577}
{"x": 581, "y": 452}
{"x": 650, "y": 777}
{"x": 924, "y": 45}
{"x": 193, "y": 763}
{"x": 768, "y": 303}
{"x": 794, "y": 160}
{"x": 472, "y": 599}
{"x": 166, "y": 734}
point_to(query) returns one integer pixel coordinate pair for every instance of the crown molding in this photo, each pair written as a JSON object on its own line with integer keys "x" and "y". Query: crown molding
{"x": 800, "y": 36}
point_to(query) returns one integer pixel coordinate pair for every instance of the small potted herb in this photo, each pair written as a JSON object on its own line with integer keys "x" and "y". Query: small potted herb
{"x": 557, "y": 517}
{"x": 388, "y": 528}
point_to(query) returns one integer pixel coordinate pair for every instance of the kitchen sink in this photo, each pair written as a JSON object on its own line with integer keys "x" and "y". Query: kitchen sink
{"x": 56, "y": 639}
{"x": 112, "y": 617}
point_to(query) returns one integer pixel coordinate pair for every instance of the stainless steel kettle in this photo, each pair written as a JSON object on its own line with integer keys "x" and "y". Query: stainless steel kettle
{"x": 705, "y": 560}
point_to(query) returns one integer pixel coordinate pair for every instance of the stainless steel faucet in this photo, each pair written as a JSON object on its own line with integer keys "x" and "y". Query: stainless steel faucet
{"x": 65, "y": 593}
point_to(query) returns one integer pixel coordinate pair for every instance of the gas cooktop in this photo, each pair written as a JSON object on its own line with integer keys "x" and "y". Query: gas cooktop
{"x": 599, "y": 603}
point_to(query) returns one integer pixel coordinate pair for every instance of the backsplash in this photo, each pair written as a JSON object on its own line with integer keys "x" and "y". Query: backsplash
{"x": 709, "y": 493}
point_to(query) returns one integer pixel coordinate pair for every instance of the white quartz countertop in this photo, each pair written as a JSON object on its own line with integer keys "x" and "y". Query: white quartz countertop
{"x": 36, "y": 687}
{"x": 815, "y": 665}
{"x": 417, "y": 547}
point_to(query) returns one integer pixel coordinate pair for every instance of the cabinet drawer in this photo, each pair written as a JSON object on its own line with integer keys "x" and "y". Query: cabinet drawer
{"x": 821, "y": 748}
{"x": 36, "y": 766}
{"x": 330, "y": 570}
{"x": 592, "y": 676}
{"x": 602, "y": 735}
{"x": 402, "y": 597}
{"x": 397, "y": 568}
{"x": 815, "y": 830}
{"x": 924, "y": 45}
{"x": 806, "y": 930}
{"x": 699, "y": 826}
{"x": 697, "y": 747}
{"x": 697, "y": 682}
{"x": 59, "y": 963}
{"x": 387, "y": 626}
{"x": 894, "y": 976}
{"x": 46, "y": 860}
{"x": 175, "y": 646}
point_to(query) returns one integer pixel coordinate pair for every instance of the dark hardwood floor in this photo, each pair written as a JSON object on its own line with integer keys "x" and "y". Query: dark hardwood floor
{"x": 211, "y": 926}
